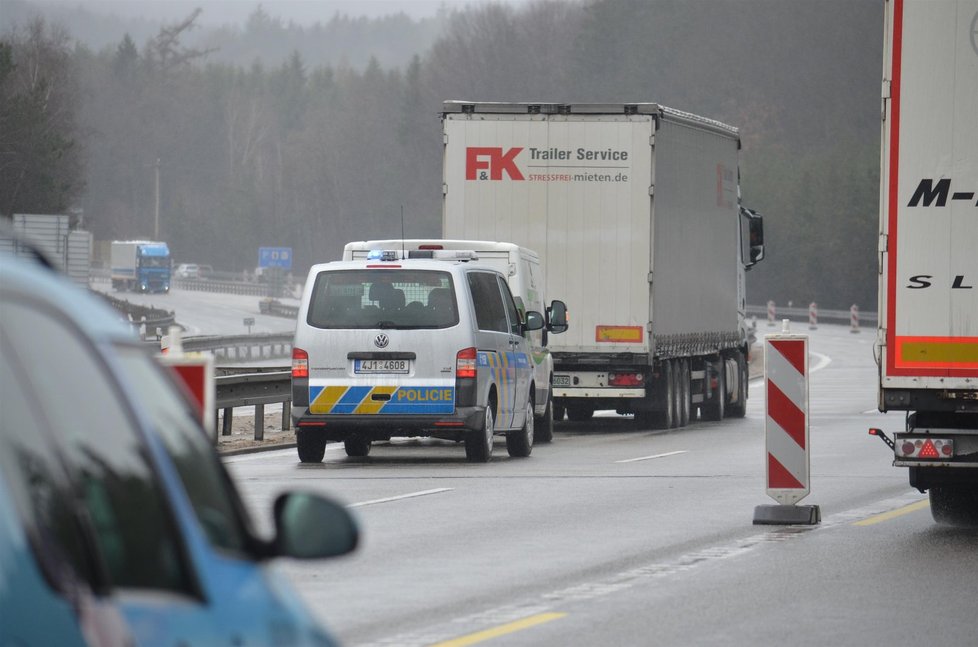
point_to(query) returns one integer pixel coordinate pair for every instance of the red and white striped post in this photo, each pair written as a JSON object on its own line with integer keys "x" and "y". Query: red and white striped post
{"x": 770, "y": 313}
{"x": 812, "y": 315}
{"x": 786, "y": 431}
{"x": 854, "y": 318}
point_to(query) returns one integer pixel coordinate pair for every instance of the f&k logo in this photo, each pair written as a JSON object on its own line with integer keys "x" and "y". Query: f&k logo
{"x": 488, "y": 163}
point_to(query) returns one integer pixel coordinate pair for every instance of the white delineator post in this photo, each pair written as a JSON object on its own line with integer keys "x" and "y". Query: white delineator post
{"x": 786, "y": 428}
{"x": 771, "y": 313}
{"x": 854, "y": 318}
{"x": 812, "y": 315}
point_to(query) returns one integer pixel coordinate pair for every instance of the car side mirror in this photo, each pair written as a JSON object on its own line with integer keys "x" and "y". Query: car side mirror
{"x": 557, "y": 315}
{"x": 309, "y": 526}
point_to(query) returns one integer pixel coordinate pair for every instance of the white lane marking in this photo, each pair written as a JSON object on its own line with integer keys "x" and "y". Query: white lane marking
{"x": 401, "y": 496}
{"x": 823, "y": 361}
{"x": 645, "y": 458}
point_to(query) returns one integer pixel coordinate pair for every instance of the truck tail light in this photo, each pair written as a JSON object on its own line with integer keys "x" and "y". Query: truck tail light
{"x": 929, "y": 448}
{"x": 626, "y": 379}
{"x": 300, "y": 363}
{"x": 465, "y": 363}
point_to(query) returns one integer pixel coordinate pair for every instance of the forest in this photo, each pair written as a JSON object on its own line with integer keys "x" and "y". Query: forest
{"x": 221, "y": 155}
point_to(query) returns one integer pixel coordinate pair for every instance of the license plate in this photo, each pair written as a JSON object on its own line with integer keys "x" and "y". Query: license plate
{"x": 380, "y": 366}
{"x": 561, "y": 380}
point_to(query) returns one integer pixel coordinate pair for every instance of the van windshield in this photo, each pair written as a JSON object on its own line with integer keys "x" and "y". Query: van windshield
{"x": 382, "y": 298}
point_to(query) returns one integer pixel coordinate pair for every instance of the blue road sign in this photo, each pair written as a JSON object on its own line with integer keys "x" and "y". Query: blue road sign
{"x": 275, "y": 257}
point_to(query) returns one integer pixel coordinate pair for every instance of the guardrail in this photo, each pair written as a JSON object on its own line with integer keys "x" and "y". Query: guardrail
{"x": 257, "y": 390}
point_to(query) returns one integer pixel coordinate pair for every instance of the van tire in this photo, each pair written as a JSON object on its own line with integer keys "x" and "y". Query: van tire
{"x": 519, "y": 442}
{"x": 357, "y": 446}
{"x": 311, "y": 445}
{"x": 478, "y": 442}
{"x": 544, "y": 429}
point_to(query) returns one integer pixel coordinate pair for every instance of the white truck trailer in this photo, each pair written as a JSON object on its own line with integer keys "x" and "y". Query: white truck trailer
{"x": 927, "y": 342}
{"x": 141, "y": 265}
{"x": 635, "y": 212}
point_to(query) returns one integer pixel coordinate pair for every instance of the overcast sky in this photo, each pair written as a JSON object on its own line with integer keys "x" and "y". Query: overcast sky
{"x": 233, "y": 11}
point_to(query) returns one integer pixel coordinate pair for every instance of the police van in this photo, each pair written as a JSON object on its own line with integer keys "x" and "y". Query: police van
{"x": 412, "y": 343}
{"x": 524, "y": 273}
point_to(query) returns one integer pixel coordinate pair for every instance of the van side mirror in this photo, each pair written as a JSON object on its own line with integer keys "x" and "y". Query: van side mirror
{"x": 557, "y": 317}
{"x": 534, "y": 321}
{"x": 753, "y": 238}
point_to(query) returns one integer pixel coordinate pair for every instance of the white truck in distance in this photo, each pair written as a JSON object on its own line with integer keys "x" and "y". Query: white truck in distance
{"x": 635, "y": 212}
{"x": 927, "y": 342}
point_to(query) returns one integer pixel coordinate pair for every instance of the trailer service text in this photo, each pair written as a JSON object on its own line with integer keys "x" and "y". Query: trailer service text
{"x": 489, "y": 163}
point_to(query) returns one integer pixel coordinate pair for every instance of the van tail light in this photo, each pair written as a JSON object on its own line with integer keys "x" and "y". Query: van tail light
{"x": 465, "y": 363}
{"x": 300, "y": 363}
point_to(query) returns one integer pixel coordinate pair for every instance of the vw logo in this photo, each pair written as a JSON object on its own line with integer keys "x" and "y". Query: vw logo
{"x": 381, "y": 340}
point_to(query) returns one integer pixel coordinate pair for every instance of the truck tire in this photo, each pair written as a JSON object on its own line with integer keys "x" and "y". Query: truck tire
{"x": 559, "y": 411}
{"x": 716, "y": 408}
{"x": 954, "y": 506}
{"x": 519, "y": 442}
{"x": 357, "y": 446}
{"x": 738, "y": 409}
{"x": 311, "y": 445}
{"x": 478, "y": 442}
{"x": 544, "y": 428}
{"x": 666, "y": 418}
{"x": 580, "y": 413}
{"x": 685, "y": 403}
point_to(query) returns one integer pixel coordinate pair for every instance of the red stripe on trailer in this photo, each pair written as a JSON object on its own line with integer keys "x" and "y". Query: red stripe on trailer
{"x": 779, "y": 477}
{"x": 784, "y": 412}
{"x": 793, "y": 352}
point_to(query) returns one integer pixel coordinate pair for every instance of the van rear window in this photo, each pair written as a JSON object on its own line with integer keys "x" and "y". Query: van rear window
{"x": 379, "y": 298}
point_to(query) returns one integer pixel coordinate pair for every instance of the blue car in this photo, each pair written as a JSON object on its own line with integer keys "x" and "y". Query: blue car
{"x": 118, "y": 523}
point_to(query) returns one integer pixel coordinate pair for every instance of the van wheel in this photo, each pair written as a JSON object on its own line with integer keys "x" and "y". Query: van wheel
{"x": 311, "y": 445}
{"x": 357, "y": 446}
{"x": 544, "y": 430}
{"x": 519, "y": 443}
{"x": 478, "y": 442}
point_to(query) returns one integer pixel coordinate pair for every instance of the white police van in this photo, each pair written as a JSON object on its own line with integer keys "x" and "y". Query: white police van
{"x": 524, "y": 274}
{"x": 416, "y": 343}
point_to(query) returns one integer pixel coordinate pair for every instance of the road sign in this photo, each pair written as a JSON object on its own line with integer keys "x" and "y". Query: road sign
{"x": 786, "y": 423}
{"x": 275, "y": 257}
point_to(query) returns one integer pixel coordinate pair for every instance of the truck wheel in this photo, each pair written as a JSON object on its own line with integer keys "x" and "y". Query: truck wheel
{"x": 667, "y": 417}
{"x": 684, "y": 393}
{"x": 716, "y": 409}
{"x": 954, "y": 506}
{"x": 311, "y": 445}
{"x": 478, "y": 442}
{"x": 544, "y": 429}
{"x": 559, "y": 411}
{"x": 580, "y": 413}
{"x": 519, "y": 442}
{"x": 357, "y": 446}
{"x": 738, "y": 409}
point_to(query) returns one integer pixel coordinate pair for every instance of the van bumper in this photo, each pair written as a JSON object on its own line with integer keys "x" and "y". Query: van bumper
{"x": 381, "y": 427}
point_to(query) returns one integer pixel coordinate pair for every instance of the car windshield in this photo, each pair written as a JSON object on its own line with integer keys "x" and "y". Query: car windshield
{"x": 380, "y": 298}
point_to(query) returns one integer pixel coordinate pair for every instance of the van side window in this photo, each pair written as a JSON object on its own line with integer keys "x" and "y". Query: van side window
{"x": 510, "y": 305}
{"x": 490, "y": 311}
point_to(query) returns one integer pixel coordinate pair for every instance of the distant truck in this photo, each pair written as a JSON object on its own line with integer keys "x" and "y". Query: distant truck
{"x": 927, "y": 341}
{"x": 635, "y": 212}
{"x": 141, "y": 266}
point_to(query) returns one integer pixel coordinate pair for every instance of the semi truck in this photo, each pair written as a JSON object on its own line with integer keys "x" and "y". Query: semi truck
{"x": 140, "y": 265}
{"x": 927, "y": 338}
{"x": 635, "y": 210}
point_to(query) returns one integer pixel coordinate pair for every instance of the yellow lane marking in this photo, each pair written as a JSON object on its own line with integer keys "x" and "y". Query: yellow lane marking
{"x": 502, "y": 630}
{"x": 892, "y": 514}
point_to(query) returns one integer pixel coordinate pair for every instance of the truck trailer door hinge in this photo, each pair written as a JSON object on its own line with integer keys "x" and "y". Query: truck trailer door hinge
{"x": 885, "y": 99}
{"x": 881, "y": 256}
{"x": 652, "y": 140}
{"x": 651, "y": 189}
{"x": 444, "y": 138}
{"x": 650, "y": 278}
{"x": 444, "y": 188}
